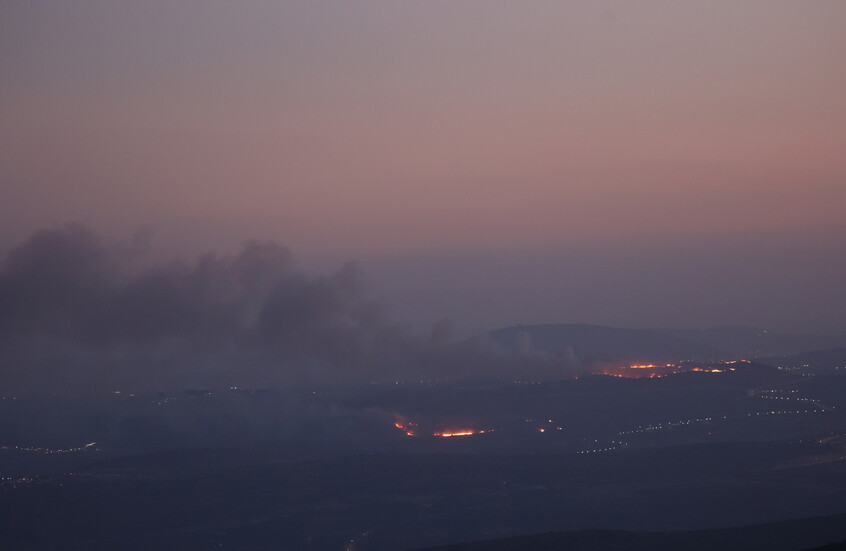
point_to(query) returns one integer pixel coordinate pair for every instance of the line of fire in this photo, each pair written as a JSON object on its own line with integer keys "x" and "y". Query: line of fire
{"x": 652, "y": 371}
{"x": 414, "y": 429}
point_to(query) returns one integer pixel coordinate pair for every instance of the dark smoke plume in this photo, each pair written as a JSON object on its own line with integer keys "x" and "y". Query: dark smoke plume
{"x": 76, "y": 313}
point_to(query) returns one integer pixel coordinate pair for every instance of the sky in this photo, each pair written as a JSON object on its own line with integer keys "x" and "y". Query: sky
{"x": 639, "y": 164}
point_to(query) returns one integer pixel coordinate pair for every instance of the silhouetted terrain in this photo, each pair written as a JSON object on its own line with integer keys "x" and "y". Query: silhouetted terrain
{"x": 814, "y": 361}
{"x": 587, "y": 343}
{"x": 780, "y": 536}
{"x": 831, "y": 547}
{"x": 403, "y": 466}
{"x": 748, "y": 342}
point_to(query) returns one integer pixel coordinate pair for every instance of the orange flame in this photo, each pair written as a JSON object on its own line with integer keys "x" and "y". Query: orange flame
{"x": 465, "y": 432}
{"x": 636, "y": 371}
{"x": 405, "y": 426}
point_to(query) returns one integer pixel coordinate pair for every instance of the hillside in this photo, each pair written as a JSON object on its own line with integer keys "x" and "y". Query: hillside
{"x": 792, "y": 535}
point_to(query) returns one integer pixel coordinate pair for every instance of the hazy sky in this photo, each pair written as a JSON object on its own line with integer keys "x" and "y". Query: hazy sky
{"x": 624, "y": 163}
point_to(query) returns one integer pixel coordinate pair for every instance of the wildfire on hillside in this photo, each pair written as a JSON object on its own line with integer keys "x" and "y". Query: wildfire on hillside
{"x": 638, "y": 371}
{"x": 405, "y": 425}
{"x": 712, "y": 369}
{"x": 653, "y": 371}
{"x": 461, "y": 432}
{"x": 466, "y": 428}
{"x": 413, "y": 429}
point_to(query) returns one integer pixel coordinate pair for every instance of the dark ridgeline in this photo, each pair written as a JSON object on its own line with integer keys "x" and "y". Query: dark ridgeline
{"x": 596, "y": 343}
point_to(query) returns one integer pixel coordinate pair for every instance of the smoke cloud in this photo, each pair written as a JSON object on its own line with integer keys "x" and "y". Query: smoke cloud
{"x": 77, "y": 312}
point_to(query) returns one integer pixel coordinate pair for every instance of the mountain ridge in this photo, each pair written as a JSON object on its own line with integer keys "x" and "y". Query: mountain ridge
{"x": 597, "y": 343}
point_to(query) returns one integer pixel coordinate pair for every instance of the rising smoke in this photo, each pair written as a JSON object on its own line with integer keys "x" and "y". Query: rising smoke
{"x": 79, "y": 313}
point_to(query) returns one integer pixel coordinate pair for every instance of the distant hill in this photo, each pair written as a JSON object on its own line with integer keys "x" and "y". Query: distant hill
{"x": 597, "y": 343}
{"x": 817, "y": 361}
{"x": 792, "y": 535}
{"x": 751, "y": 342}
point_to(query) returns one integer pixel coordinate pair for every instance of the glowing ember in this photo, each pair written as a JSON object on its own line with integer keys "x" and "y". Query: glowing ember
{"x": 406, "y": 426}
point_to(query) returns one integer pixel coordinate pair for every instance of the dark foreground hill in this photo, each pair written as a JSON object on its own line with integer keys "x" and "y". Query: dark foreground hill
{"x": 245, "y": 470}
{"x": 831, "y": 547}
{"x": 223, "y": 499}
{"x": 792, "y": 535}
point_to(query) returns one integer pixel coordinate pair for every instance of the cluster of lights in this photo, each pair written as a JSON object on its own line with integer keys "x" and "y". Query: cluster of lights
{"x": 15, "y": 482}
{"x": 773, "y": 394}
{"x": 712, "y": 369}
{"x": 663, "y": 426}
{"x": 48, "y": 450}
{"x": 785, "y": 412}
{"x": 614, "y": 445}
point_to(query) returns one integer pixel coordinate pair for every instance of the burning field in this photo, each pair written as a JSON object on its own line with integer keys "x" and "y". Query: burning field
{"x": 413, "y": 429}
{"x": 652, "y": 371}
{"x": 455, "y": 430}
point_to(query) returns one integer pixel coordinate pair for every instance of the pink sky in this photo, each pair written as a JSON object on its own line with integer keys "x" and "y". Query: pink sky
{"x": 372, "y": 128}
